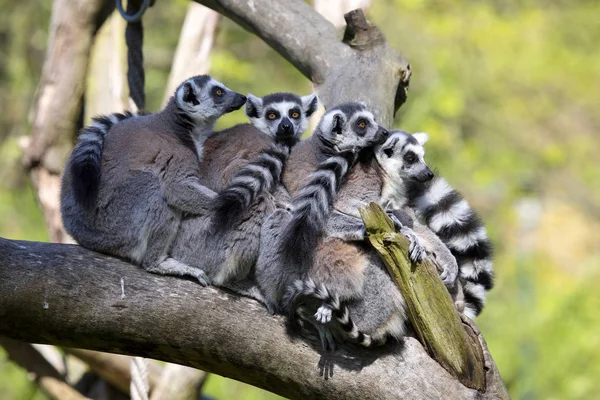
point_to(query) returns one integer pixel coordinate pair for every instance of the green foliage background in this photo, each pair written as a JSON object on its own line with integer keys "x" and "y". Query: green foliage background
{"x": 509, "y": 92}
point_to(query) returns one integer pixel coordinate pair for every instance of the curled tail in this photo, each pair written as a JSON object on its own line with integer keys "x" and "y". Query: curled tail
{"x": 448, "y": 214}
{"x": 257, "y": 177}
{"x": 311, "y": 208}
{"x": 86, "y": 158}
{"x": 339, "y": 310}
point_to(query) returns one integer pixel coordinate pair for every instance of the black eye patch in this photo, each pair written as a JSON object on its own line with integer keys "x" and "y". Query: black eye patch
{"x": 294, "y": 113}
{"x": 272, "y": 114}
{"x": 410, "y": 157}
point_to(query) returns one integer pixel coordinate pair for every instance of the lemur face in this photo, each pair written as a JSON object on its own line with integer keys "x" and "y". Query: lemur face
{"x": 350, "y": 127}
{"x": 281, "y": 115}
{"x": 205, "y": 99}
{"x": 401, "y": 156}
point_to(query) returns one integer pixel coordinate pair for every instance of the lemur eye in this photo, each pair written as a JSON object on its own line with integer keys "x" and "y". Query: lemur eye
{"x": 271, "y": 116}
{"x": 362, "y": 123}
{"x": 410, "y": 157}
{"x": 295, "y": 115}
{"x": 219, "y": 92}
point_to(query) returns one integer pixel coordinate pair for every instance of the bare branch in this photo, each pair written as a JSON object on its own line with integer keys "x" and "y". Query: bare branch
{"x": 58, "y": 103}
{"x": 114, "y": 368}
{"x": 48, "y": 378}
{"x": 179, "y": 382}
{"x": 194, "y": 46}
{"x": 369, "y": 71}
{"x": 66, "y": 295}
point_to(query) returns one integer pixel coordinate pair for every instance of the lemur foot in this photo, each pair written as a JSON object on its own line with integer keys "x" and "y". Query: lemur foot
{"x": 397, "y": 224}
{"x": 416, "y": 250}
{"x": 323, "y": 314}
{"x": 448, "y": 274}
{"x": 170, "y": 266}
{"x": 327, "y": 341}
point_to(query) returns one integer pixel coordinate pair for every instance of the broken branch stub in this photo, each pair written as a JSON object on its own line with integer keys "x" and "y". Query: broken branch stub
{"x": 430, "y": 308}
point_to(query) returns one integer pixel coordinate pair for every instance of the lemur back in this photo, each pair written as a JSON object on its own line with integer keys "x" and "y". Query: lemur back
{"x": 148, "y": 177}
{"x": 225, "y": 242}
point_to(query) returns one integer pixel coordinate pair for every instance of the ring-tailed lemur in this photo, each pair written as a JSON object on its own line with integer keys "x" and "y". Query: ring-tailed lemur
{"x": 378, "y": 310}
{"x": 346, "y": 278}
{"x": 250, "y": 190}
{"x": 283, "y": 117}
{"x": 130, "y": 179}
{"x": 320, "y": 163}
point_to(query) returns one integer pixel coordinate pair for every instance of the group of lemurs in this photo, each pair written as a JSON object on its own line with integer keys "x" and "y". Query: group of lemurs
{"x": 255, "y": 209}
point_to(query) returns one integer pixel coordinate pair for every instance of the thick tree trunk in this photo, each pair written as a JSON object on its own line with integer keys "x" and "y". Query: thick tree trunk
{"x": 69, "y": 296}
{"x": 58, "y": 106}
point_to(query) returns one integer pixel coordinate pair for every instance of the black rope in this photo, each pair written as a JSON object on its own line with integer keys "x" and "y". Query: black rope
{"x": 134, "y": 37}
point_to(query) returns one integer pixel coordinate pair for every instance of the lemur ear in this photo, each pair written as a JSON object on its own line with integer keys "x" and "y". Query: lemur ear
{"x": 363, "y": 104}
{"x": 421, "y": 137}
{"x": 389, "y": 145}
{"x": 253, "y": 106}
{"x": 309, "y": 104}
{"x": 337, "y": 122}
{"x": 188, "y": 94}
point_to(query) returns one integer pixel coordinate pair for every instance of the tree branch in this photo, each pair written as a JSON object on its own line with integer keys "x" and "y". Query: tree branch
{"x": 47, "y": 377}
{"x": 69, "y": 296}
{"x": 58, "y": 103}
{"x": 365, "y": 69}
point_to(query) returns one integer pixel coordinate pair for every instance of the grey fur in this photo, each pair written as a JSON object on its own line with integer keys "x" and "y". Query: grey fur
{"x": 289, "y": 237}
{"x": 225, "y": 242}
{"x": 149, "y": 179}
{"x": 366, "y": 304}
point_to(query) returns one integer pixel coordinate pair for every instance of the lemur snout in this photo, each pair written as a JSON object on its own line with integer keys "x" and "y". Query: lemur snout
{"x": 285, "y": 127}
{"x": 426, "y": 175}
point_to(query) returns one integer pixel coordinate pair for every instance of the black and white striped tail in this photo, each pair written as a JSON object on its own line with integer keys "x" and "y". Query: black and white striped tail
{"x": 256, "y": 178}
{"x": 448, "y": 214}
{"x": 311, "y": 208}
{"x": 86, "y": 158}
{"x": 340, "y": 311}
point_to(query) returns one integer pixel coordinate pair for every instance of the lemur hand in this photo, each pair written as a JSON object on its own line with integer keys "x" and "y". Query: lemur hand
{"x": 416, "y": 250}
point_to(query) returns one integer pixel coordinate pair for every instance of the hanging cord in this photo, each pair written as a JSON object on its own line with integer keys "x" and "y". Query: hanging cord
{"x": 139, "y": 386}
{"x": 134, "y": 37}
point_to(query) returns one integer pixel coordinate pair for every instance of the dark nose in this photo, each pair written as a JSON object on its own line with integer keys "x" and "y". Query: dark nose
{"x": 384, "y": 132}
{"x": 242, "y": 98}
{"x": 429, "y": 174}
{"x": 286, "y": 127}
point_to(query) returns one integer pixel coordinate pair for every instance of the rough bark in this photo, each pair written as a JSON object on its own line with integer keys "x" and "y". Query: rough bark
{"x": 362, "y": 67}
{"x": 58, "y": 104}
{"x": 69, "y": 296}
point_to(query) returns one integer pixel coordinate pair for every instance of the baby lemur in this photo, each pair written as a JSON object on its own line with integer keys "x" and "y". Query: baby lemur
{"x": 130, "y": 179}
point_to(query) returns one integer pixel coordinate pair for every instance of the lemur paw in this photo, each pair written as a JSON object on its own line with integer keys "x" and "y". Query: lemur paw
{"x": 397, "y": 224}
{"x": 323, "y": 314}
{"x": 202, "y": 278}
{"x": 416, "y": 250}
{"x": 449, "y": 274}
